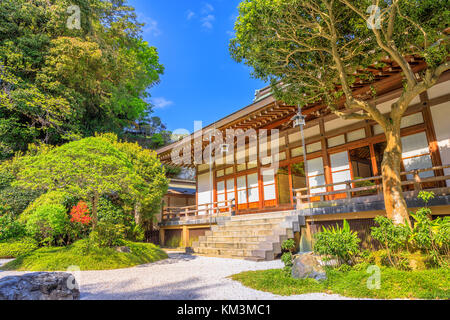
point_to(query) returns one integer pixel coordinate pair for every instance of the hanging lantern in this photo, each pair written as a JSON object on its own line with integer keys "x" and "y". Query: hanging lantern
{"x": 299, "y": 120}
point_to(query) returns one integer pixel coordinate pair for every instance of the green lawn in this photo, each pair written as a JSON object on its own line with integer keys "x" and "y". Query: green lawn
{"x": 14, "y": 249}
{"x": 395, "y": 284}
{"x": 60, "y": 258}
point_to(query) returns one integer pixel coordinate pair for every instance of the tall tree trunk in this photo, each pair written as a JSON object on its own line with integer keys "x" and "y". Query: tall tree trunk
{"x": 138, "y": 213}
{"x": 395, "y": 203}
{"x": 94, "y": 209}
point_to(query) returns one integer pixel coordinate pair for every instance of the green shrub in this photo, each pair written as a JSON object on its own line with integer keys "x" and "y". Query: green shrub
{"x": 48, "y": 224}
{"x": 107, "y": 235}
{"x": 17, "y": 199}
{"x": 431, "y": 236}
{"x": 138, "y": 234}
{"x": 112, "y": 213}
{"x": 10, "y": 228}
{"x": 60, "y": 258}
{"x": 288, "y": 247}
{"x": 339, "y": 243}
{"x": 174, "y": 242}
{"x": 18, "y": 248}
{"x": 392, "y": 237}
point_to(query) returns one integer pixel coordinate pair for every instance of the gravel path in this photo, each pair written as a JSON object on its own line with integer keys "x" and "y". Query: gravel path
{"x": 181, "y": 277}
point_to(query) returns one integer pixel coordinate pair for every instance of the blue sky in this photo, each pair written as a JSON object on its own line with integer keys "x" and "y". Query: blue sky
{"x": 201, "y": 82}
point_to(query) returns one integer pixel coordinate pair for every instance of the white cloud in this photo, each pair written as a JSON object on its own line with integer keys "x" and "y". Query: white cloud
{"x": 190, "y": 14}
{"x": 151, "y": 25}
{"x": 231, "y": 33}
{"x": 207, "y": 21}
{"x": 207, "y": 8}
{"x": 161, "y": 102}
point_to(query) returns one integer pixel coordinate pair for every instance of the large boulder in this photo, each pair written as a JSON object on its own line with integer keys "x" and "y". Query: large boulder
{"x": 308, "y": 265}
{"x": 40, "y": 286}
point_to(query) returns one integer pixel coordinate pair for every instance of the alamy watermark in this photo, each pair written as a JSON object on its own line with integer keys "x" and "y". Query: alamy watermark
{"x": 74, "y": 281}
{"x": 374, "y": 21}
{"x": 227, "y": 148}
{"x": 74, "y": 20}
{"x": 374, "y": 281}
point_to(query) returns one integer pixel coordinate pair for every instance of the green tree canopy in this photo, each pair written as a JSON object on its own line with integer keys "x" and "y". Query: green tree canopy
{"x": 57, "y": 82}
{"x": 97, "y": 166}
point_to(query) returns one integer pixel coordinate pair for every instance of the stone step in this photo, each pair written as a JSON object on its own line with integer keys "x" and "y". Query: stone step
{"x": 256, "y": 237}
{"x": 237, "y": 227}
{"x": 236, "y": 253}
{"x": 238, "y": 238}
{"x": 254, "y": 221}
{"x": 273, "y": 246}
{"x": 242, "y": 232}
{"x": 262, "y": 215}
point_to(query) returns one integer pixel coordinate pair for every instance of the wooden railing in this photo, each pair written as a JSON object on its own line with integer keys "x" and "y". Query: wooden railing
{"x": 351, "y": 191}
{"x": 207, "y": 210}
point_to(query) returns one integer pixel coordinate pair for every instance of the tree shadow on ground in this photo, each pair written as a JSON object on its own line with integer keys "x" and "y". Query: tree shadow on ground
{"x": 189, "y": 289}
{"x": 173, "y": 258}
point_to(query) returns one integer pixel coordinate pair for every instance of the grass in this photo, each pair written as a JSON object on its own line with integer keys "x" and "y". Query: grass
{"x": 60, "y": 258}
{"x": 14, "y": 249}
{"x": 395, "y": 284}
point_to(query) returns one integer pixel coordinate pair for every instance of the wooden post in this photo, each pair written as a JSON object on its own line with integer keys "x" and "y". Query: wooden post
{"x": 417, "y": 182}
{"x": 161, "y": 236}
{"x": 431, "y": 135}
{"x": 185, "y": 236}
{"x": 299, "y": 200}
{"x": 348, "y": 186}
{"x": 326, "y": 161}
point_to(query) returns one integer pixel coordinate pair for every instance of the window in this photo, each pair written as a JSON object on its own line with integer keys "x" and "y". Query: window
{"x": 356, "y": 135}
{"x": 316, "y": 175}
{"x": 340, "y": 169}
{"x": 314, "y": 147}
{"x": 283, "y": 187}
{"x": 416, "y": 154}
{"x": 220, "y": 173}
{"x": 270, "y": 196}
{"x": 248, "y": 191}
{"x": 221, "y": 195}
{"x": 336, "y": 141}
{"x": 225, "y": 191}
{"x": 297, "y": 152}
{"x": 230, "y": 189}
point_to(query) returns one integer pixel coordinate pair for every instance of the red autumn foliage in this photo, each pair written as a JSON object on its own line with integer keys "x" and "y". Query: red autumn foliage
{"x": 80, "y": 214}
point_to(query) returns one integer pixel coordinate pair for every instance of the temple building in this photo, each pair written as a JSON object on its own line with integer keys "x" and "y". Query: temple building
{"x": 295, "y": 175}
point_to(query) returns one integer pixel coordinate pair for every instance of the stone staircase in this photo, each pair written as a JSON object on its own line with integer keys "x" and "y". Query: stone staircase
{"x": 256, "y": 237}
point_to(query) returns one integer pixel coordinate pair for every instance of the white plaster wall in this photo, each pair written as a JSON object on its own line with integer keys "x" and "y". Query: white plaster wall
{"x": 441, "y": 119}
{"x": 338, "y": 123}
{"x": 204, "y": 190}
{"x": 439, "y": 90}
{"x": 383, "y": 107}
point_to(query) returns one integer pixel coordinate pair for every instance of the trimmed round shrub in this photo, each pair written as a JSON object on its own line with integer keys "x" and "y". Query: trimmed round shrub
{"x": 50, "y": 198}
{"x": 48, "y": 224}
{"x": 10, "y": 228}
